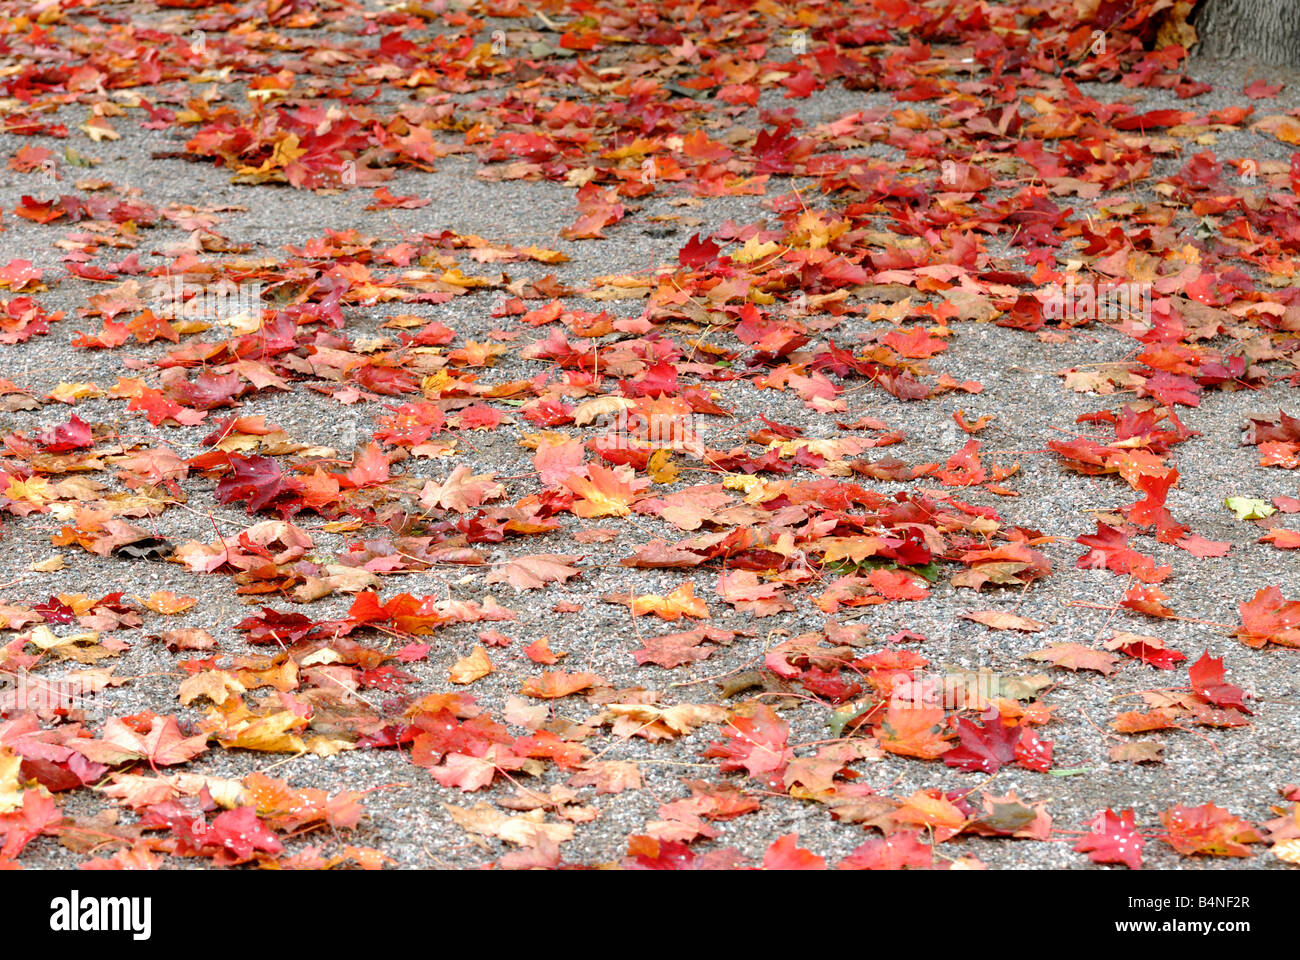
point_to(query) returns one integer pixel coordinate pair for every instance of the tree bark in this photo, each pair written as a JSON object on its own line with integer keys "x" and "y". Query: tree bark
{"x": 1251, "y": 31}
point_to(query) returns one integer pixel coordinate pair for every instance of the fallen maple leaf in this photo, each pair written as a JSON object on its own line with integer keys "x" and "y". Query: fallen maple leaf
{"x": 742, "y": 589}
{"x": 470, "y": 668}
{"x": 237, "y": 834}
{"x": 461, "y": 491}
{"x": 465, "y": 772}
{"x": 985, "y": 748}
{"x": 1002, "y": 620}
{"x": 527, "y": 829}
{"x": 675, "y": 649}
{"x": 681, "y": 602}
{"x": 1075, "y": 656}
{"x": 913, "y": 730}
{"x": 1150, "y": 650}
{"x": 1268, "y": 618}
{"x": 1114, "y": 839}
{"x": 534, "y": 571}
{"x": 605, "y": 492}
{"x": 1207, "y": 677}
{"x": 1208, "y": 829}
{"x": 539, "y": 651}
{"x": 608, "y": 776}
{"x": 1282, "y": 538}
{"x": 663, "y": 723}
{"x": 942, "y": 818}
{"x": 899, "y": 851}
{"x": 258, "y": 480}
{"x": 556, "y": 684}
{"x": 162, "y": 745}
{"x": 73, "y": 435}
{"x": 369, "y": 467}
{"x": 1137, "y": 751}
{"x": 1198, "y": 546}
{"x": 166, "y": 602}
{"x": 1148, "y": 600}
{"x": 756, "y": 744}
{"x": 786, "y": 854}
{"x": 1133, "y": 721}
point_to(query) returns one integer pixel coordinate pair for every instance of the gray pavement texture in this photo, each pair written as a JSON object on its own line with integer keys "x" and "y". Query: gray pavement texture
{"x": 407, "y": 818}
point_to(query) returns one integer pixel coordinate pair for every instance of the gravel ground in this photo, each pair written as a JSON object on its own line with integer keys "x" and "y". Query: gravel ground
{"x": 1240, "y": 769}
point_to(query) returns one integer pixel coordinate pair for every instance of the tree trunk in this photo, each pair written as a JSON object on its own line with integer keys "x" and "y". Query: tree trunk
{"x": 1250, "y": 31}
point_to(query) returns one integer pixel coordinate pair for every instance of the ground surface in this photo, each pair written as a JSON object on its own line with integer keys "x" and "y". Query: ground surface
{"x": 584, "y": 780}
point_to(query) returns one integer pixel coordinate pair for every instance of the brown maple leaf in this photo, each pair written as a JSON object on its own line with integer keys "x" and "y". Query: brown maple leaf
{"x": 608, "y": 776}
{"x": 1003, "y": 620}
{"x": 1075, "y": 656}
{"x": 675, "y": 649}
{"x": 163, "y": 745}
{"x": 557, "y": 683}
{"x": 535, "y": 571}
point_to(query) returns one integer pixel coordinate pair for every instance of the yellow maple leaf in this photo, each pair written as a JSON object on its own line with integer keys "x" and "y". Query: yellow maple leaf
{"x": 11, "y": 785}
{"x": 471, "y": 668}
{"x": 682, "y": 602}
{"x": 32, "y": 490}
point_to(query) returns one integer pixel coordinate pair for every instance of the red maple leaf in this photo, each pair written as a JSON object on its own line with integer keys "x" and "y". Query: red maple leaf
{"x": 1150, "y": 650}
{"x": 1261, "y": 89}
{"x": 1033, "y": 753}
{"x": 650, "y": 853}
{"x": 786, "y": 854}
{"x": 898, "y": 851}
{"x": 113, "y": 335}
{"x": 987, "y": 748}
{"x": 697, "y": 252}
{"x": 1110, "y": 551}
{"x": 757, "y": 745}
{"x": 963, "y": 468}
{"x": 37, "y": 815}
{"x": 1148, "y": 600}
{"x": 1114, "y": 839}
{"x": 158, "y": 407}
{"x": 369, "y": 467}
{"x": 897, "y": 585}
{"x": 675, "y": 649}
{"x": 281, "y": 628}
{"x": 1206, "y": 675}
{"x": 1151, "y": 511}
{"x": 256, "y": 479}
{"x": 1199, "y": 546}
{"x": 73, "y": 435}
{"x": 775, "y": 151}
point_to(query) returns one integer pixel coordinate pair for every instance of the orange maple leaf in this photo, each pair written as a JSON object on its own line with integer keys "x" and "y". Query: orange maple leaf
{"x": 606, "y": 492}
{"x": 557, "y": 683}
{"x": 1208, "y": 829}
{"x": 1268, "y": 618}
{"x": 913, "y": 730}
